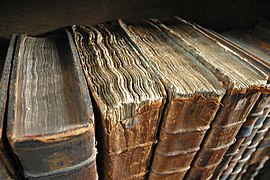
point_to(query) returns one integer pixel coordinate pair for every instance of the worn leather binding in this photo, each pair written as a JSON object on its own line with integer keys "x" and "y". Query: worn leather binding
{"x": 240, "y": 167}
{"x": 4, "y": 173}
{"x": 258, "y": 113}
{"x": 6, "y": 53}
{"x": 237, "y": 102}
{"x": 240, "y": 157}
{"x": 128, "y": 94}
{"x": 193, "y": 92}
{"x": 246, "y": 50}
{"x": 3, "y": 53}
{"x": 50, "y": 122}
{"x": 259, "y": 158}
{"x": 253, "y": 169}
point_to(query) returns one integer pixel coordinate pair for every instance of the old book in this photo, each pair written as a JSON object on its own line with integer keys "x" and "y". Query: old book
{"x": 3, "y": 52}
{"x": 194, "y": 96}
{"x": 256, "y": 50}
{"x": 237, "y": 152}
{"x": 50, "y": 122}
{"x": 6, "y": 55}
{"x": 4, "y": 173}
{"x": 129, "y": 98}
{"x": 259, "y": 112}
{"x": 243, "y": 82}
{"x": 258, "y": 159}
{"x": 241, "y": 166}
{"x": 264, "y": 172}
{"x": 252, "y": 43}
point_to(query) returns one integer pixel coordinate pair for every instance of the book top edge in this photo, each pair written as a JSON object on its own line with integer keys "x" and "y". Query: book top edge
{"x": 48, "y": 97}
{"x": 221, "y": 60}
{"x": 179, "y": 71}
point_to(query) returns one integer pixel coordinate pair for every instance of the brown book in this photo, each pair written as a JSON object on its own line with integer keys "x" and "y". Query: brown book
{"x": 237, "y": 152}
{"x": 240, "y": 166}
{"x": 253, "y": 48}
{"x": 194, "y": 96}
{"x": 50, "y": 122}
{"x": 129, "y": 99}
{"x": 243, "y": 82}
{"x": 259, "y": 111}
{"x": 258, "y": 159}
{"x": 4, "y": 173}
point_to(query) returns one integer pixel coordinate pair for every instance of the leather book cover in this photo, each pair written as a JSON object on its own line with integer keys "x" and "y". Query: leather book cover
{"x": 193, "y": 91}
{"x": 258, "y": 158}
{"x": 242, "y": 92}
{"x": 249, "y": 151}
{"x": 241, "y": 156}
{"x": 6, "y": 55}
{"x": 50, "y": 120}
{"x": 246, "y": 45}
{"x": 129, "y": 100}
{"x": 4, "y": 173}
{"x": 259, "y": 111}
{"x": 3, "y": 54}
{"x": 6, "y": 58}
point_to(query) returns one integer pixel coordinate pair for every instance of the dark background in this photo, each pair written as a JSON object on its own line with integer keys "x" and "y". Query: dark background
{"x": 38, "y": 17}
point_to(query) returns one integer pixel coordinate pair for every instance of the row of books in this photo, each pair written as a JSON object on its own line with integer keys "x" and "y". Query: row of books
{"x": 151, "y": 100}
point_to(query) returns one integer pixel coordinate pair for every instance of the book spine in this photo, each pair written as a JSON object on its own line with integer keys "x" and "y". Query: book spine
{"x": 247, "y": 154}
{"x": 54, "y": 159}
{"x": 253, "y": 169}
{"x": 258, "y": 158}
{"x": 61, "y": 155}
{"x": 181, "y": 135}
{"x": 3, "y": 172}
{"x": 224, "y": 164}
{"x": 223, "y": 129}
{"x": 124, "y": 144}
{"x": 222, "y": 133}
{"x": 5, "y": 74}
{"x": 128, "y": 144}
{"x": 237, "y": 156}
{"x": 257, "y": 115}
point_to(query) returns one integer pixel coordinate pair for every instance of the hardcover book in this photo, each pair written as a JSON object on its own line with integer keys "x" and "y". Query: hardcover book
{"x": 129, "y": 98}
{"x": 7, "y": 169}
{"x": 249, "y": 53}
{"x": 258, "y": 159}
{"x": 242, "y": 164}
{"x": 3, "y": 172}
{"x": 257, "y": 47}
{"x": 194, "y": 96}
{"x": 243, "y": 82}
{"x": 3, "y": 53}
{"x": 50, "y": 121}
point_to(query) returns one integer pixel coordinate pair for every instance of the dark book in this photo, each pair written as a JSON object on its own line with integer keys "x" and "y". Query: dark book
{"x": 255, "y": 48}
{"x": 243, "y": 82}
{"x": 129, "y": 99}
{"x": 3, "y": 52}
{"x": 249, "y": 53}
{"x": 242, "y": 164}
{"x": 194, "y": 96}
{"x": 6, "y": 59}
{"x": 50, "y": 122}
{"x": 264, "y": 173}
{"x": 4, "y": 173}
{"x": 6, "y": 54}
{"x": 237, "y": 153}
{"x": 258, "y": 158}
